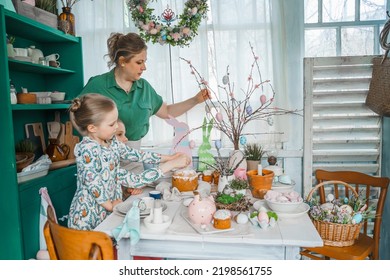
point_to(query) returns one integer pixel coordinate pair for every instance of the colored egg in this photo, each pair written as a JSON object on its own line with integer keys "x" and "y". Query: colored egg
{"x": 219, "y": 117}
{"x": 357, "y": 218}
{"x": 263, "y": 99}
{"x": 330, "y": 197}
{"x": 241, "y": 218}
{"x": 218, "y": 144}
{"x": 192, "y": 144}
{"x": 346, "y": 209}
{"x": 225, "y": 80}
{"x": 263, "y": 217}
{"x": 242, "y": 140}
{"x": 249, "y": 110}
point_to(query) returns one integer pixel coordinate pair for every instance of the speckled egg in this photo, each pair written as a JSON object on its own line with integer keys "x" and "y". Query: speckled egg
{"x": 241, "y": 218}
{"x": 357, "y": 218}
{"x": 219, "y": 117}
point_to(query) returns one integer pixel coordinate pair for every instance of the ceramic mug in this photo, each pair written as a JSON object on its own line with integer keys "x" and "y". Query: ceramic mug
{"x": 54, "y": 63}
{"x": 54, "y": 56}
{"x": 149, "y": 202}
{"x": 155, "y": 194}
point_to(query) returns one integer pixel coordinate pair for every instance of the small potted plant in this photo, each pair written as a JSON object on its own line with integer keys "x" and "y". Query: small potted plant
{"x": 239, "y": 186}
{"x": 253, "y": 153}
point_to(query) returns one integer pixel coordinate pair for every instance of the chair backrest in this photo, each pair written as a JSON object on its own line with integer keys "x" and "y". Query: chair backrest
{"x": 373, "y": 187}
{"x": 70, "y": 244}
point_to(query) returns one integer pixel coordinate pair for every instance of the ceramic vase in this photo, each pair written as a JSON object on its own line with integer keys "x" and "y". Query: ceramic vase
{"x": 10, "y": 50}
{"x": 235, "y": 157}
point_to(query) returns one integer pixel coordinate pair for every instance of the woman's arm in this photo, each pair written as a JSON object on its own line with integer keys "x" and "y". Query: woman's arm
{"x": 180, "y": 108}
{"x": 109, "y": 205}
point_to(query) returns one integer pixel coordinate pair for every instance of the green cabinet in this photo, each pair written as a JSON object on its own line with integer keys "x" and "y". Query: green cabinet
{"x": 20, "y": 203}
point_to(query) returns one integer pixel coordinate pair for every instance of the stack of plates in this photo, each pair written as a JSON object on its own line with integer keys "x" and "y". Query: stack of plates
{"x": 124, "y": 207}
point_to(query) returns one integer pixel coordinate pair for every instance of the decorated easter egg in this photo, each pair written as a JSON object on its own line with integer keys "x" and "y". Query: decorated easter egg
{"x": 249, "y": 110}
{"x": 192, "y": 144}
{"x": 330, "y": 197}
{"x": 263, "y": 99}
{"x": 327, "y": 206}
{"x": 346, "y": 209}
{"x": 225, "y": 79}
{"x": 219, "y": 117}
{"x": 242, "y": 140}
{"x": 357, "y": 218}
{"x": 263, "y": 217}
{"x": 218, "y": 144}
{"x": 346, "y": 200}
{"x": 241, "y": 218}
{"x": 270, "y": 121}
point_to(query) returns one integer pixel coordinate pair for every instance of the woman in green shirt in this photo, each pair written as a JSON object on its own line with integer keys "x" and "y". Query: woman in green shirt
{"x": 135, "y": 98}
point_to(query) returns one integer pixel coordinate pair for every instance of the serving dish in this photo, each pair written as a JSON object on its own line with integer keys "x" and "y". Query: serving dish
{"x": 122, "y": 209}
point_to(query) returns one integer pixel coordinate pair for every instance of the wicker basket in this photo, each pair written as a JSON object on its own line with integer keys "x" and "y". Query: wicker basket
{"x": 333, "y": 234}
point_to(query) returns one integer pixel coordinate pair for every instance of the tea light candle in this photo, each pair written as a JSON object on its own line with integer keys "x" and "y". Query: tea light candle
{"x": 260, "y": 170}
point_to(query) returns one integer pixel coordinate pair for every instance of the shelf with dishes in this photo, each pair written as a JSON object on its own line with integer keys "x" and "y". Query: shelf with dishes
{"x": 30, "y": 67}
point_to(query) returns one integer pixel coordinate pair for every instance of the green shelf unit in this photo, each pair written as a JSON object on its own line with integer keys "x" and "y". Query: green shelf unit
{"x": 20, "y": 203}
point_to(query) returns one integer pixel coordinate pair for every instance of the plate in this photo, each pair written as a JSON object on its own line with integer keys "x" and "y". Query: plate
{"x": 301, "y": 210}
{"x": 208, "y": 229}
{"x": 123, "y": 208}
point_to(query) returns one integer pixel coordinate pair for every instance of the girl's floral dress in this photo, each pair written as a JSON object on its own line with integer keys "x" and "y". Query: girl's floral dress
{"x": 99, "y": 179}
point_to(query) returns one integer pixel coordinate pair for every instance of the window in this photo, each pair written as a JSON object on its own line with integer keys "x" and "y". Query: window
{"x": 343, "y": 27}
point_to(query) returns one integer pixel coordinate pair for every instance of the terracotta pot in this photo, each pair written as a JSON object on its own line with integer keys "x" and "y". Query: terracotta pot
{"x": 260, "y": 184}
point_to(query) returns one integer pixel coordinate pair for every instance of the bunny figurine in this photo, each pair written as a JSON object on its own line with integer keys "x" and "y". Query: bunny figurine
{"x": 180, "y": 141}
{"x": 205, "y": 156}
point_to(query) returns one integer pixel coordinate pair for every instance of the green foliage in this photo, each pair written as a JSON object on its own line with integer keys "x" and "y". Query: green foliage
{"x": 25, "y": 146}
{"x": 47, "y": 5}
{"x": 228, "y": 199}
{"x": 239, "y": 184}
{"x": 253, "y": 151}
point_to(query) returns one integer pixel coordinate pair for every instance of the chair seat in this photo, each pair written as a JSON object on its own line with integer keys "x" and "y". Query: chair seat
{"x": 362, "y": 248}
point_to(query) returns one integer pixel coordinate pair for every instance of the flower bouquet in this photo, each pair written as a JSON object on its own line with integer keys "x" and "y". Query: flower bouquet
{"x": 338, "y": 220}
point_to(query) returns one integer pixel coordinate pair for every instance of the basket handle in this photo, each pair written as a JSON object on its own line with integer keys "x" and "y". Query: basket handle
{"x": 328, "y": 183}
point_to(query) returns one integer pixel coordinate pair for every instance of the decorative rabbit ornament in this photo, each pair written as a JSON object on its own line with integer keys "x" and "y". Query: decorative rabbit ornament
{"x": 180, "y": 141}
{"x": 204, "y": 153}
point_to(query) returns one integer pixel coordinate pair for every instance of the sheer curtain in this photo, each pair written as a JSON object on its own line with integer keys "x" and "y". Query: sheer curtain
{"x": 223, "y": 40}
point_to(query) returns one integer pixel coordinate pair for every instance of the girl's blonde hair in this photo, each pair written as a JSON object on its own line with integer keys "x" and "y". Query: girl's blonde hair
{"x": 126, "y": 45}
{"x": 89, "y": 109}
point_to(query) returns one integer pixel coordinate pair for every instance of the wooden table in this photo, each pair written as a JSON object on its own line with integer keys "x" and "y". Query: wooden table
{"x": 181, "y": 241}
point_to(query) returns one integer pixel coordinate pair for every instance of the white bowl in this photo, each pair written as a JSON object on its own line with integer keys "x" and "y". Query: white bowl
{"x": 157, "y": 228}
{"x": 57, "y": 96}
{"x": 284, "y": 207}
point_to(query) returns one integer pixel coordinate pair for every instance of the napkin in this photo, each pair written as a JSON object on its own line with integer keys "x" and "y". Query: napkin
{"x": 130, "y": 226}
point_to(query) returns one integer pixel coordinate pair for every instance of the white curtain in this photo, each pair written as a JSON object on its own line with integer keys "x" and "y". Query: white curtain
{"x": 223, "y": 41}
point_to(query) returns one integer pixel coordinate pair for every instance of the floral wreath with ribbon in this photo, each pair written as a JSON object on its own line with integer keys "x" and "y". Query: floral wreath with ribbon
{"x": 159, "y": 29}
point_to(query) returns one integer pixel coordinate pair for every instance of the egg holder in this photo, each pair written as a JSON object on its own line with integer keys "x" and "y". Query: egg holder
{"x": 263, "y": 223}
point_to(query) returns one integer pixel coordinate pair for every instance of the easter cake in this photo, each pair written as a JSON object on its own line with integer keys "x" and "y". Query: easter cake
{"x": 185, "y": 180}
{"x": 222, "y": 219}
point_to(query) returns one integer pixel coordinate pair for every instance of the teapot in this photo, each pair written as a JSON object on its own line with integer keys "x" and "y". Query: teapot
{"x": 57, "y": 151}
{"x": 35, "y": 54}
{"x": 201, "y": 209}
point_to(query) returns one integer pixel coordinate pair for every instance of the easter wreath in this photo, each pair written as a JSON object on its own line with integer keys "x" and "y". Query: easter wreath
{"x": 159, "y": 29}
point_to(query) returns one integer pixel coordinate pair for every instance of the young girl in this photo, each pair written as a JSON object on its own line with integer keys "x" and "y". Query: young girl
{"x": 99, "y": 176}
{"x": 121, "y": 136}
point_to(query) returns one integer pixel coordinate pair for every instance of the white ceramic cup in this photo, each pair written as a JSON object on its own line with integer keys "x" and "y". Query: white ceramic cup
{"x": 54, "y": 57}
{"x": 20, "y": 52}
{"x": 149, "y": 201}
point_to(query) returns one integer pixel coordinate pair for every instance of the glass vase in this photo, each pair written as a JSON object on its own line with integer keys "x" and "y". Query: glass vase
{"x": 66, "y": 21}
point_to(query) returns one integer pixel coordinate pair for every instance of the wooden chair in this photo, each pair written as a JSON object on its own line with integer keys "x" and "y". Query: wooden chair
{"x": 70, "y": 244}
{"x": 365, "y": 246}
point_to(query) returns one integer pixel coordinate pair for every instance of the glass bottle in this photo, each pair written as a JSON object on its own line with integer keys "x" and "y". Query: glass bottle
{"x": 66, "y": 21}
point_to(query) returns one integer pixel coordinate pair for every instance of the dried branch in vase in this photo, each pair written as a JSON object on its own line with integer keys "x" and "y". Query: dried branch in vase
{"x": 233, "y": 115}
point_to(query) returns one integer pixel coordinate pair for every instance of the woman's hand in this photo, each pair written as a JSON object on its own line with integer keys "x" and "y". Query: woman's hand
{"x": 180, "y": 160}
{"x": 203, "y": 95}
